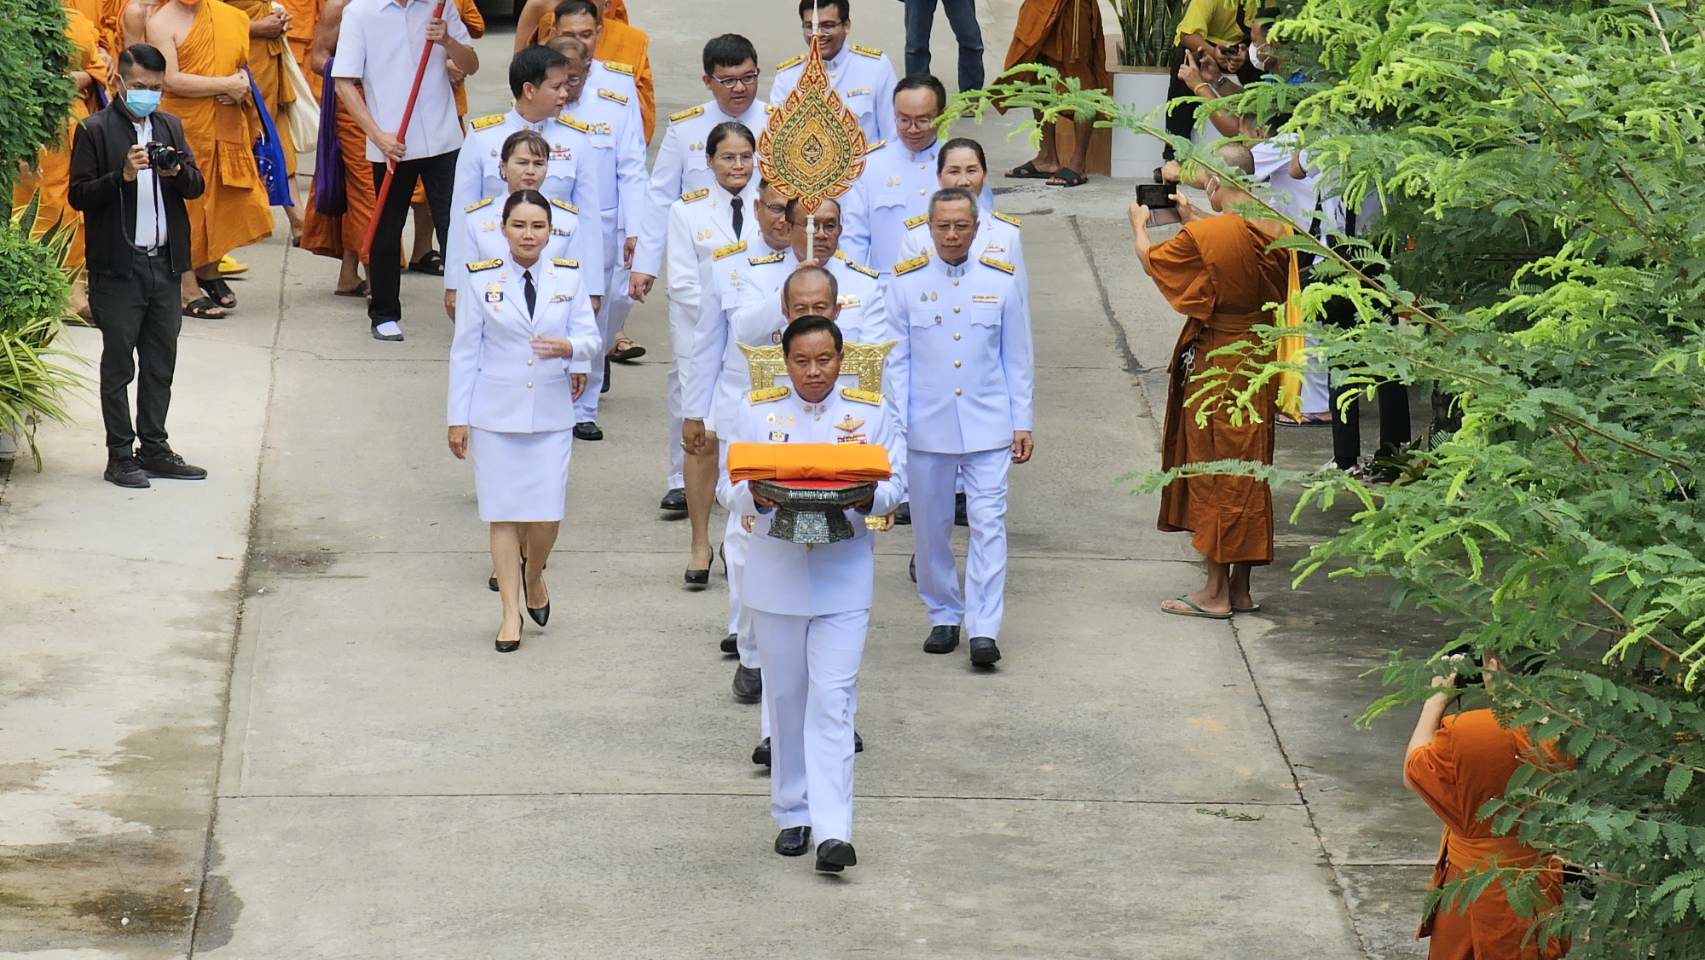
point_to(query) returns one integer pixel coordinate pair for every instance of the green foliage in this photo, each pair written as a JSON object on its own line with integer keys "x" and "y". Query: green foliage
{"x": 1543, "y": 197}
{"x": 34, "y": 382}
{"x": 35, "y": 92}
{"x": 1145, "y": 29}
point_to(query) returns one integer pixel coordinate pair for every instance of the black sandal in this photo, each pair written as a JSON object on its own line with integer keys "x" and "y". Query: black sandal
{"x": 432, "y": 263}
{"x": 1068, "y": 178}
{"x": 1027, "y": 171}
{"x": 219, "y": 291}
{"x": 359, "y": 290}
{"x": 203, "y": 309}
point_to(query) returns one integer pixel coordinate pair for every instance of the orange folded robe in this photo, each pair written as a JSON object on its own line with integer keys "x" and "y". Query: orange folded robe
{"x": 233, "y": 211}
{"x": 266, "y": 63}
{"x": 842, "y": 462}
{"x": 624, "y": 45}
{"x": 52, "y": 177}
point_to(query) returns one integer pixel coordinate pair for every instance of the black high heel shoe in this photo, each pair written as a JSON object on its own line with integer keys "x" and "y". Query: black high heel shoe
{"x": 698, "y": 577}
{"x": 540, "y": 615}
{"x": 510, "y": 646}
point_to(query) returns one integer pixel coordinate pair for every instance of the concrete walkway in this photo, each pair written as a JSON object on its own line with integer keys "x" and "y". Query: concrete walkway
{"x": 258, "y": 717}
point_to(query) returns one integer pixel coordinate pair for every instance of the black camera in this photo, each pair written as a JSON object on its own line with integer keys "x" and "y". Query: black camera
{"x": 164, "y": 156}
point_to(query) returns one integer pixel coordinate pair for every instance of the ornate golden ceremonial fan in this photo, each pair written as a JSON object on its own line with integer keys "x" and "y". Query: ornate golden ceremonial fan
{"x": 812, "y": 148}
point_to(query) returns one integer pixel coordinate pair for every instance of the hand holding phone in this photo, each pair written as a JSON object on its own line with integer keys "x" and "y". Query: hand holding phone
{"x": 1158, "y": 197}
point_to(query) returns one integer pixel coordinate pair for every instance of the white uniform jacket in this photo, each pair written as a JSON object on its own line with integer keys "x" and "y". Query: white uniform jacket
{"x": 481, "y": 237}
{"x": 965, "y": 364}
{"x": 787, "y": 578}
{"x": 611, "y": 122}
{"x": 701, "y": 236}
{"x": 861, "y": 75}
{"x": 569, "y": 177}
{"x": 681, "y": 167}
{"x": 496, "y": 383}
{"x": 997, "y": 237}
{"x": 718, "y": 367}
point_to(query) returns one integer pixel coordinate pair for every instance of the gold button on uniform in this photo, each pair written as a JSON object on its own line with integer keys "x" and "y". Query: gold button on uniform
{"x": 956, "y": 336}
{"x": 529, "y": 363}
{"x": 955, "y": 309}
{"x": 958, "y": 392}
{"x": 957, "y": 363}
{"x": 529, "y": 385}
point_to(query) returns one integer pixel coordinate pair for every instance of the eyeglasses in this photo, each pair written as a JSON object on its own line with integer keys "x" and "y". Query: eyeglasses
{"x": 743, "y": 80}
{"x": 915, "y": 123}
{"x": 821, "y": 26}
{"x": 775, "y": 209}
{"x": 734, "y": 158}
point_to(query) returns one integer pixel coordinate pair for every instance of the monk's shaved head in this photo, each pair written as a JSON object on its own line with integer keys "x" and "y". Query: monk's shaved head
{"x": 1237, "y": 156}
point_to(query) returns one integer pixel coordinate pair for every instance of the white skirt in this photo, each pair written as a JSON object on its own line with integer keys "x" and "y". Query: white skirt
{"x": 520, "y": 477}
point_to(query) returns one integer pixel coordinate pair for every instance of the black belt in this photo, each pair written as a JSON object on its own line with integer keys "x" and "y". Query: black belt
{"x": 163, "y": 250}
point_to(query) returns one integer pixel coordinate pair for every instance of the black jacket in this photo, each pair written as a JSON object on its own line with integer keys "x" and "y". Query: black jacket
{"x": 108, "y": 201}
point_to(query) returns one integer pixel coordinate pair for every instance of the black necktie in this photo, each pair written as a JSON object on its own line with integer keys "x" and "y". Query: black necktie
{"x": 531, "y": 292}
{"x": 739, "y": 218}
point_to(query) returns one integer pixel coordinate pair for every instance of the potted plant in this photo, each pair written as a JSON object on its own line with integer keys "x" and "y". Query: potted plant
{"x": 34, "y": 381}
{"x": 1140, "y": 63}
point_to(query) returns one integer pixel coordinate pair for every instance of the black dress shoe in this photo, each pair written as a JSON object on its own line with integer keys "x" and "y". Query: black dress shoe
{"x": 605, "y": 386}
{"x": 794, "y": 841}
{"x": 170, "y": 466}
{"x": 984, "y": 653}
{"x": 903, "y": 514}
{"x": 731, "y": 643}
{"x": 959, "y": 517}
{"x": 588, "y": 431}
{"x": 675, "y": 501}
{"x": 761, "y": 753}
{"x": 833, "y": 856}
{"x": 858, "y": 743}
{"x": 942, "y": 639}
{"x": 748, "y": 683}
{"x": 125, "y": 472}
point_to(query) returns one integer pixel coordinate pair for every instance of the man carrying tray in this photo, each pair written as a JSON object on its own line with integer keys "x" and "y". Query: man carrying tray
{"x": 810, "y": 602}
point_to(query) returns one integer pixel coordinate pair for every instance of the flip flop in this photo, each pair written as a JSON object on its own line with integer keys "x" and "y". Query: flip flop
{"x": 1308, "y": 420}
{"x": 1194, "y": 610}
{"x": 203, "y": 309}
{"x": 359, "y": 290}
{"x": 432, "y": 263}
{"x": 626, "y": 350}
{"x": 1027, "y": 171}
{"x": 219, "y": 291}
{"x": 230, "y": 266}
{"x": 1068, "y": 178}
{"x": 1250, "y": 609}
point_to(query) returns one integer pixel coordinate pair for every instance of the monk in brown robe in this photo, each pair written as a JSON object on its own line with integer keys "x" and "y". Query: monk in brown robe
{"x": 268, "y": 49}
{"x": 206, "y": 45}
{"x": 1065, "y": 35}
{"x": 339, "y": 235}
{"x": 1219, "y": 273}
{"x": 1456, "y": 764}
{"x": 618, "y": 45}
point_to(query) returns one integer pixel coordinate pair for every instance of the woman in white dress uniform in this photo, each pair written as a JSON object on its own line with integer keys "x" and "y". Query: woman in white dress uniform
{"x": 707, "y": 225}
{"x": 960, "y": 163}
{"x": 524, "y": 336}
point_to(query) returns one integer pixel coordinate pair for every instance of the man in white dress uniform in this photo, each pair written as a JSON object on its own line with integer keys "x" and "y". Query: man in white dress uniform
{"x": 861, "y": 75}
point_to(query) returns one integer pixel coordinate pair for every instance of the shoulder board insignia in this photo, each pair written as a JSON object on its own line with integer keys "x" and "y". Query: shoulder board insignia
{"x": 917, "y": 221}
{"x": 570, "y": 264}
{"x": 480, "y": 123}
{"x": 470, "y": 208}
{"x": 862, "y": 51}
{"x": 619, "y": 67}
{"x": 870, "y": 148}
{"x": 855, "y": 265}
{"x": 1009, "y": 218}
{"x": 611, "y": 95}
{"x": 478, "y": 265}
{"x": 698, "y": 194}
{"x": 1000, "y": 265}
{"x": 565, "y": 205}
{"x": 907, "y": 266}
{"x": 794, "y": 62}
{"x": 569, "y": 121}
{"x": 768, "y": 394}
{"x": 730, "y": 250}
{"x": 767, "y": 258}
{"x": 686, "y": 114}
{"x": 862, "y": 396}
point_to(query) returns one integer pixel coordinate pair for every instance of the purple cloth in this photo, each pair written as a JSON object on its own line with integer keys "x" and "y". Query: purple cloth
{"x": 329, "y": 196}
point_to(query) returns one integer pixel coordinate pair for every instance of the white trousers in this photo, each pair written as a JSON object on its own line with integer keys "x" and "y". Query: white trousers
{"x": 680, "y": 358}
{"x": 930, "y": 479}
{"x": 612, "y": 318}
{"x": 811, "y": 692}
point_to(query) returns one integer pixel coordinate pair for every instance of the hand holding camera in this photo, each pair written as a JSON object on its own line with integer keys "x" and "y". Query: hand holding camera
{"x": 165, "y": 159}
{"x": 135, "y": 161}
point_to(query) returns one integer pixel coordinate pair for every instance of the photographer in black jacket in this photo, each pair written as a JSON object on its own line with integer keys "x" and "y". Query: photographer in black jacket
{"x": 131, "y": 171}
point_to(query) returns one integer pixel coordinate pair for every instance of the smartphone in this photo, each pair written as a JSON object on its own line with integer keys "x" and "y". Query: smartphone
{"x": 1158, "y": 198}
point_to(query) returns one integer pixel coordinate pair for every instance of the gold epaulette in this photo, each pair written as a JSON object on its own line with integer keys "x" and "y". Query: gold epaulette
{"x": 855, "y": 265}
{"x": 618, "y": 66}
{"x": 480, "y": 123}
{"x": 917, "y": 221}
{"x": 572, "y": 123}
{"x": 570, "y": 264}
{"x": 478, "y": 265}
{"x": 768, "y": 394}
{"x": 686, "y": 114}
{"x": 564, "y": 204}
{"x": 698, "y": 194}
{"x": 871, "y": 148}
{"x": 612, "y": 95}
{"x": 767, "y": 258}
{"x": 862, "y": 396}
{"x": 1000, "y": 265}
{"x": 796, "y": 61}
{"x": 470, "y": 208}
{"x": 728, "y": 251}
{"x": 870, "y": 52}
{"x": 907, "y": 266}
{"x": 1009, "y": 218}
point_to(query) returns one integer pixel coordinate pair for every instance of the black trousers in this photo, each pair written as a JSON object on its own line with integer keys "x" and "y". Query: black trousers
{"x": 962, "y": 17}
{"x": 1181, "y": 119}
{"x": 139, "y": 315}
{"x": 1392, "y": 397}
{"x": 383, "y": 269}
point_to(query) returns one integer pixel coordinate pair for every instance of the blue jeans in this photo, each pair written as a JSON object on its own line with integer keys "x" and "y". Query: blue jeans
{"x": 962, "y": 17}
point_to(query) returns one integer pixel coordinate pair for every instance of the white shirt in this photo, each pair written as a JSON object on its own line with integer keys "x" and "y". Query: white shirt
{"x": 682, "y": 167}
{"x": 150, "y": 225}
{"x": 611, "y": 123}
{"x": 379, "y": 43}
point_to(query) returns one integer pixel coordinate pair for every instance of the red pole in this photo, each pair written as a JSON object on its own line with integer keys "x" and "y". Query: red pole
{"x": 402, "y": 134}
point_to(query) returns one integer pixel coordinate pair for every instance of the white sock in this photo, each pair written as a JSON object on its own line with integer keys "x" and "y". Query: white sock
{"x": 389, "y": 328}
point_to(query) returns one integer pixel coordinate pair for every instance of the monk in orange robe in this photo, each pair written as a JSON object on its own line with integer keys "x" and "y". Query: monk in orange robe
{"x": 621, "y": 47}
{"x": 339, "y": 235}
{"x": 206, "y": 45}
{"x": 1065, "y": 35}
{"x": 1456, "y": 764}
{"x": 304, "y": 17}
{"x": 268, "y": 49}
{"x": 1219, "y": 273}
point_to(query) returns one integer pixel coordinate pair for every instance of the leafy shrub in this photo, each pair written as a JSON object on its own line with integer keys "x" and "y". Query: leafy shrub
{"x": 35, "y": 92}
{"x": 34, "y": 382}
